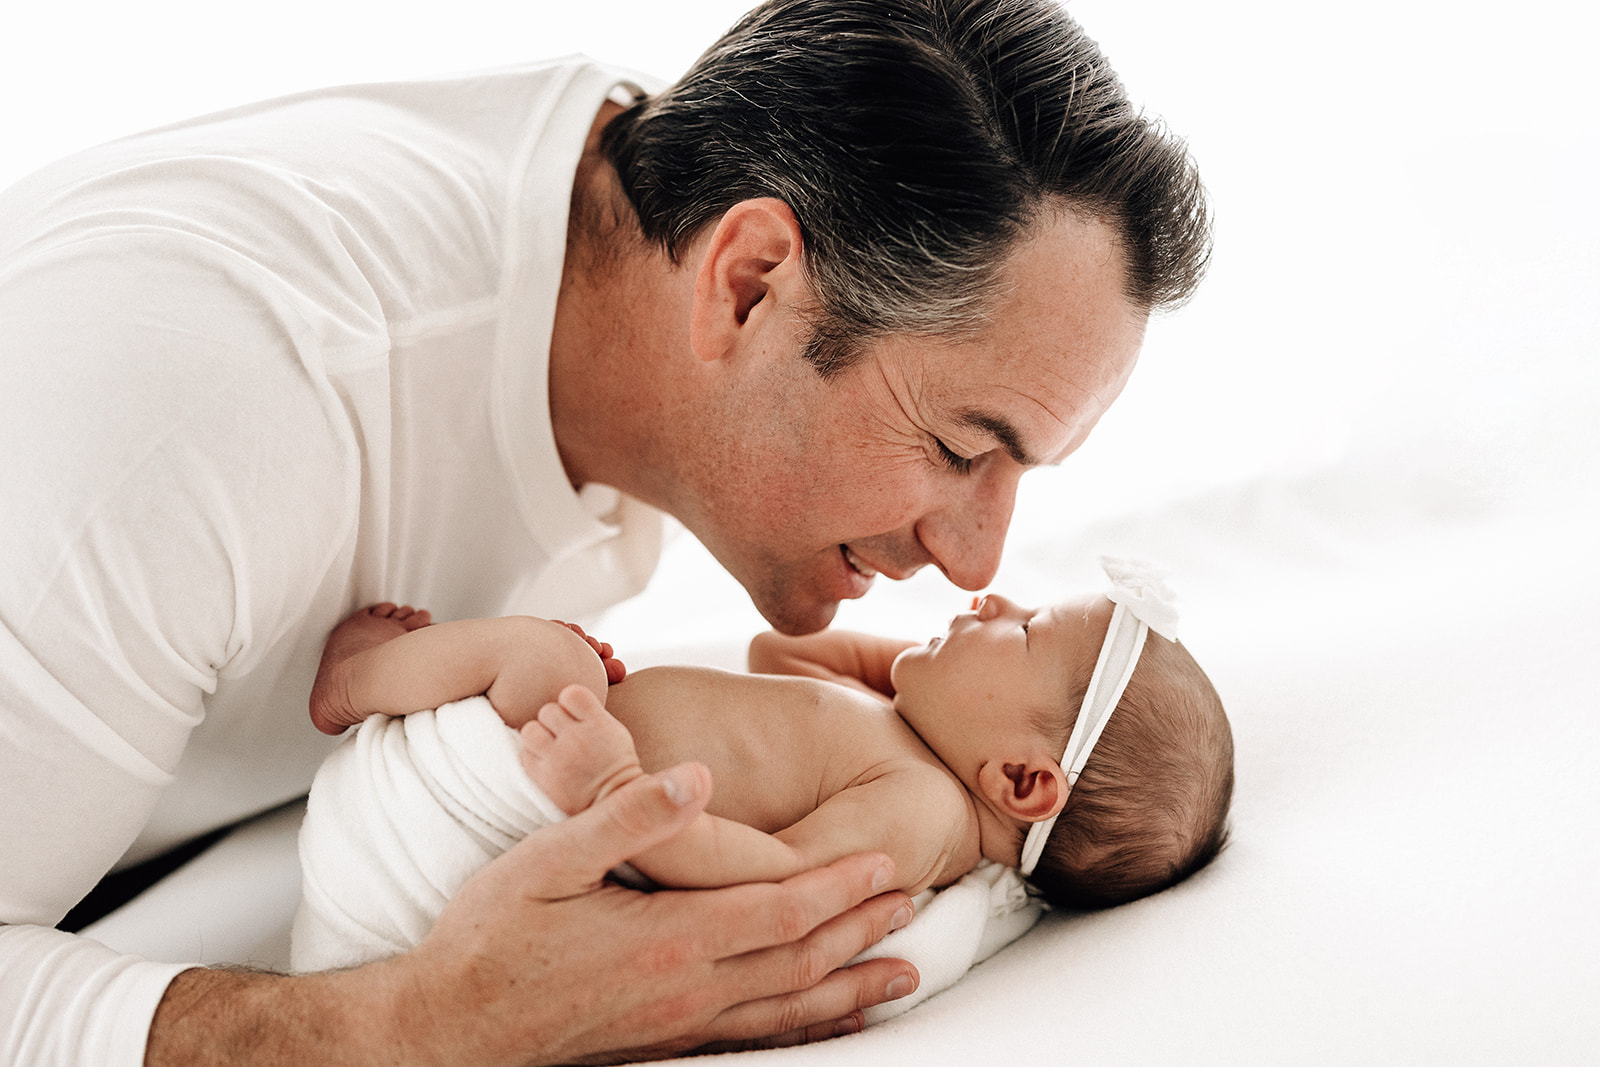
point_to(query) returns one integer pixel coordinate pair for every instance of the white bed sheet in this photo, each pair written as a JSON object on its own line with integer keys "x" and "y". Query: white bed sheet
{"x": 1416, "y": 834}
{"x": 1415, "y": 863}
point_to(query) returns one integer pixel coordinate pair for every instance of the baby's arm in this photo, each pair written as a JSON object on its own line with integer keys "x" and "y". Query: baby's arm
{"x": 918, "y": 815}
{"x": 520, "y": 663}
{"x": 577, "y": 752}
{"x": 861, "y": 661}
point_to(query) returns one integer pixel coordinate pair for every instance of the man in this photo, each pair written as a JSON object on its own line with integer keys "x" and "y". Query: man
{"x": 824, "y": 300}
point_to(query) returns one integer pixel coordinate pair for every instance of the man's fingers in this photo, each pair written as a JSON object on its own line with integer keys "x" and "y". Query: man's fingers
{"x": 828, "y": 1009}
{"x": 798, "y": 984}
{"x": 798, "y": 905}
{"x": 822, "y": 1031}
{"x": 786, "y": 969}
{"x": 570, "y": 857}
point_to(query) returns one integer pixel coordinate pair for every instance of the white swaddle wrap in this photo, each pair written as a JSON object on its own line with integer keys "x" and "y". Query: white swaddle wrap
{"x": 405, "y": 811}
{"x": 399, "y": 817}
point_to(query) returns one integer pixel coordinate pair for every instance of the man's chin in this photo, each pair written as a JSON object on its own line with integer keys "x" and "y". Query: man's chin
{"x": 789, "y": 615}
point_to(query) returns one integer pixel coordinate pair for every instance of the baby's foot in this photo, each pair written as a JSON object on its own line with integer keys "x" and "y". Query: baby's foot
{"x": 577, "y": 751}
{"x": 368, "y": 628}
{"x": 615, "y": 669}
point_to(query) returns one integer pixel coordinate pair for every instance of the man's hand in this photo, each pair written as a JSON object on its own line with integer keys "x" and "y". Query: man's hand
{"x": 547, "y": 962}
{"x": 537, "y": 961}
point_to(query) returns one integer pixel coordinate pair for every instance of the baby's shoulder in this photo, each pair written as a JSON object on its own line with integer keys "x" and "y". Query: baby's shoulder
{"x": 916, "y": 771}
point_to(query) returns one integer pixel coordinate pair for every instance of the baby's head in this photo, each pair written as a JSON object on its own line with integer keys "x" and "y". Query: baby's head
{"x": 1150, "y": 806}
{"x": 997, "y": 698}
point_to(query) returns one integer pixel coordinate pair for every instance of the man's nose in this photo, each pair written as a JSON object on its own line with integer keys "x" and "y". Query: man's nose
{"x": 967, "y": 536}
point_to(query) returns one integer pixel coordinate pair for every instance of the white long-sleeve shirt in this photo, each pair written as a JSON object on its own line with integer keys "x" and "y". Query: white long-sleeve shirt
{"x": 257, "y": 370}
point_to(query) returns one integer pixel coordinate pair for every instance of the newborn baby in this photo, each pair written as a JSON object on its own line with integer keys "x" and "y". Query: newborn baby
{"x": 973, "y": 746}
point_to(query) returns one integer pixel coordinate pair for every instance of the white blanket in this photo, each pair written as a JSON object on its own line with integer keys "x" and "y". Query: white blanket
{"x": 407, "y": 809}
{"x": 398, "y": 818}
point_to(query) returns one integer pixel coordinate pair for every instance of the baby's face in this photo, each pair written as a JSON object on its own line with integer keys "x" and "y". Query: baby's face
{"x": 973, "y": 694}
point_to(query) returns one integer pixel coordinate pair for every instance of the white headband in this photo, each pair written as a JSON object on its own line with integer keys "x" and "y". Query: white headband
{"x": 1143, "y": 603}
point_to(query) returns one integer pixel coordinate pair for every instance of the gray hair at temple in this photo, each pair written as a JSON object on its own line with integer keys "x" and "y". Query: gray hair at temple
{"x": 916, "y": 141}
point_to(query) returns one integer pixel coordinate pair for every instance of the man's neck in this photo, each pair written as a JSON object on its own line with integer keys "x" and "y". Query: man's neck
{"x": 614, "y": 340}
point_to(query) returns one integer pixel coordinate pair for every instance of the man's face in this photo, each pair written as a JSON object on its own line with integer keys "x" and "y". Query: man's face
{"x": 809, "y": 488}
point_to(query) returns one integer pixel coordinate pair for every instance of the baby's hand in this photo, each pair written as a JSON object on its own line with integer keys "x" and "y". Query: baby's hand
{"x": 615, "y": 671}
{"x": 577, "y": 752}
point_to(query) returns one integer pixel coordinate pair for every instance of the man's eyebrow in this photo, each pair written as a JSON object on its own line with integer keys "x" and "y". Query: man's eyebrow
{"x": 1000, "y": 428}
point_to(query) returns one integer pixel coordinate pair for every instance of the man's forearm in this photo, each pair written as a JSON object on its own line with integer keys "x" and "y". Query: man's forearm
{"x": 250, "y": 1018}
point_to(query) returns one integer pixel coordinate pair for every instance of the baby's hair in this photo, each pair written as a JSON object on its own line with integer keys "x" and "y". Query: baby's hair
{"x": 1151, "y": 806}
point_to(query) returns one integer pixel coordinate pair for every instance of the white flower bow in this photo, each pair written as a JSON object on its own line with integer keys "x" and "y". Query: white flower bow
{"x": 1141, "y": 587}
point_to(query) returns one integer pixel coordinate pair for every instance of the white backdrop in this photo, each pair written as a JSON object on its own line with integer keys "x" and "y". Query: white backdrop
{"x": 1368, "y": 449}
{"x": 1405, "y": 247}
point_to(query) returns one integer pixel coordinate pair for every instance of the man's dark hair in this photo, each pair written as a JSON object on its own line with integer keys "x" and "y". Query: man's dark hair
{"x": 916, "y": 141}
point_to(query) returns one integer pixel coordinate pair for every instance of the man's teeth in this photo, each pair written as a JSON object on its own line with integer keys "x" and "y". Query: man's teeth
{"x": 856, "y": 562}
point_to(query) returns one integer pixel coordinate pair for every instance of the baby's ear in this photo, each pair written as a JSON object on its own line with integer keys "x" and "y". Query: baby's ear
{"x": 1026, "y": 789}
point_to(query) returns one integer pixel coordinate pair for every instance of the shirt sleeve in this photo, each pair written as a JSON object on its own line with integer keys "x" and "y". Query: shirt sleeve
{"x": 177, "y": 476}
{"x": 76, "y": 1001}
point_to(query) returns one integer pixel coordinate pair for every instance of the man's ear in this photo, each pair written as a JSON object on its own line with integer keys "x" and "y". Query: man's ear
{"x": 751, "y": 265}
{"x": 1026, "y": 789}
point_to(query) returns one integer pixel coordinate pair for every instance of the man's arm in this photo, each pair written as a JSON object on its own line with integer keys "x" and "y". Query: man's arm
{"x": 861, "y": 661}
{"x": 537, "y": 961}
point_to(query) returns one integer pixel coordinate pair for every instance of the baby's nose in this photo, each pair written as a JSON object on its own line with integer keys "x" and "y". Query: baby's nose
{"x": 992, "y": 606}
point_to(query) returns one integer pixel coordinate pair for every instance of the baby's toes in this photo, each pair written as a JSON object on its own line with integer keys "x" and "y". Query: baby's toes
{"x": 580, "y": 702}
{"x": 537, "y": 741}
{"x": 555, "y": 718}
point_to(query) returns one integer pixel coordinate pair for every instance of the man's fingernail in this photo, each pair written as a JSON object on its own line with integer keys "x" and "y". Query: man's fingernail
{"x": 900, "y": 987}
{"x": 901, "y": 917}
{"x": 850, "y": 1024}
{"x": 680, "y": 785}
{"x": 882, "y": 877}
